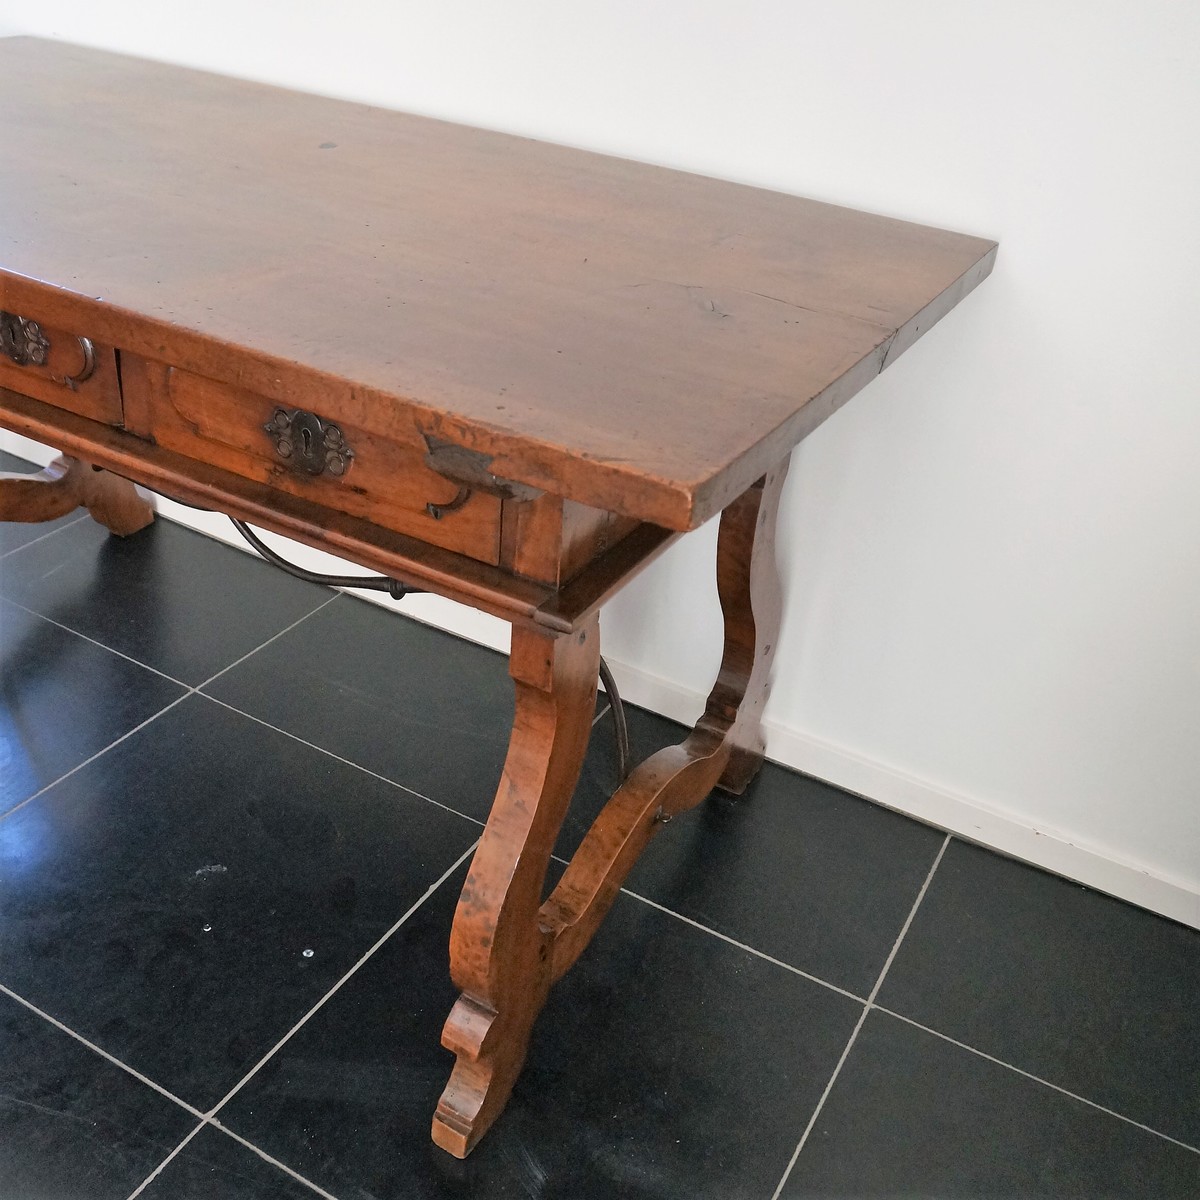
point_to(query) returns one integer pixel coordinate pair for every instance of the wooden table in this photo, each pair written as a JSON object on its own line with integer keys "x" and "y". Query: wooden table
{"x": 494, "y": 368}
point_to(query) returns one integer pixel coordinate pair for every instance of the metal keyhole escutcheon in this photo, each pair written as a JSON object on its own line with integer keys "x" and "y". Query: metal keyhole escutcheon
{"x": 308, "y": 444}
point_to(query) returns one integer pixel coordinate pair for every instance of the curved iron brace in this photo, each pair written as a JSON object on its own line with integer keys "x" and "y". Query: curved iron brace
{"x": 398, "y": 590}
{"x": 620, "y": 725}
{"x": 374, "y": 583}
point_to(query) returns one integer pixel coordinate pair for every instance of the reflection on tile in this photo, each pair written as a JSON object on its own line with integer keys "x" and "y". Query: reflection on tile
{"x": 667, "y": 1063}
{"x": 912, "y": 1115}
{"x": 72, "y": 1125}
{"x": 1075, "y": 987}
{"x": 168, "y": 597}
{"x": 161, "y": 900}
{"x": 63, "y": 699}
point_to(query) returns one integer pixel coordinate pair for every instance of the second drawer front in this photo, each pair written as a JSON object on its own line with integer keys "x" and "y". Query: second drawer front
{"x": 65, "y": 369}
{"x": 365, "y": 474}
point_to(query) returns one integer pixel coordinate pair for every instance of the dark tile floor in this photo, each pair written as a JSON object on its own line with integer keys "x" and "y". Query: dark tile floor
{"x": 235, "y": 811}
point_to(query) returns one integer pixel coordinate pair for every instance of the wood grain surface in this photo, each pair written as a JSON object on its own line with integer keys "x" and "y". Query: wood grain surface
{"x": 640, "y": 340}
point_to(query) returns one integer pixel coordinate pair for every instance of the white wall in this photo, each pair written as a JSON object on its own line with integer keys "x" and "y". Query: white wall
{"x": 992, "y": 555}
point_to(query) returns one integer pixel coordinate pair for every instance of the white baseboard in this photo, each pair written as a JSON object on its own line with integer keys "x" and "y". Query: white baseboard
{"x": 972, "y": 820}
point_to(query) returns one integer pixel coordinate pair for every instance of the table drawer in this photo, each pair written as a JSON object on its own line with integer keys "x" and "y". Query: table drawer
{"x": 371, "y": 473}
{"x": 65, "y": 368}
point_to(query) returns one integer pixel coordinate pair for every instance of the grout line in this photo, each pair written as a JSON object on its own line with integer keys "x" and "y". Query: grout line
{"x": 162, "y": 1091}
{"x": 601, "y": 715}
{"x": 237, "y": 1137}
{"x": 837, "y": 1070}
{"x": 128, "y": 658}
{"x": 79, "y": 766}
{"x": 1036, "y": 1078}
{"x": 137, "y": 661}
{"x": 41, "y": 537}
{"x": 870, "y": 1004}
{"x": 191, "y": 691}
{"x": 743, "y": 946}
{"x": 209, "y": 1117}
{"x": 272, "y": 638}
{"x": 337, "y": 757}
{"x": 912, "y": 912}
{"x": 141, "y": 1187}
{"x": 433, "y": 887}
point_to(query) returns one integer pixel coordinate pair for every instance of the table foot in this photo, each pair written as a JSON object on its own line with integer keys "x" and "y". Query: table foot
{"x": 67, "y": 484}
{"x": 740, "y": 770}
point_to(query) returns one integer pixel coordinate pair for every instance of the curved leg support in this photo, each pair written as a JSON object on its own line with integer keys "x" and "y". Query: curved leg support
{"x": 725, "y": 749}
{"x": 67, "y": 484}
{"x": 499, "y": 954}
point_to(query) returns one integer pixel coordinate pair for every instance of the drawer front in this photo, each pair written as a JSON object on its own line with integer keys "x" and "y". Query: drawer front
{"x": 65, "y": 368}
{"x": 313, "y": 455}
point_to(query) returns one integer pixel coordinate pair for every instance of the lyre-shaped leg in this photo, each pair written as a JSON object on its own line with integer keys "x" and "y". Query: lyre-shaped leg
{"x": 499, "y": 955}
{"x": 67, "y": 484}
{"x": 506, "y": 949}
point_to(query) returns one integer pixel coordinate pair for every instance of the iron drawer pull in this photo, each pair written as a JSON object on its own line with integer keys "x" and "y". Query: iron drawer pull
{"x": 23, "y": 341}
{"x": 26, "y": 344}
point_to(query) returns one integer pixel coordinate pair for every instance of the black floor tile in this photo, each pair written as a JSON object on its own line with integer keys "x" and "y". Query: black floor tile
{"x": 212, "y": 1166}
{"x": 1075, "y": 987}
{"x": 72, "y": 1125}
{"x": 62, "y": 699}
{"x": 416, "y": 705}
{"x": 795, "y": 868}
{"x": 913, "y": 1116}
{"x": 667, "y": 1064}
{"x": 206, "y": 819}
{"x": 168, "y": 597}
{"x": 14, "y": 534}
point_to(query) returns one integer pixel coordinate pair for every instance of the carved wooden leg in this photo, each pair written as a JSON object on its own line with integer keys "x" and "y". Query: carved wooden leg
{"x": 499, "y": 954}
{"x": 67, "y": 484}
{"x": 748, "y": 585}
